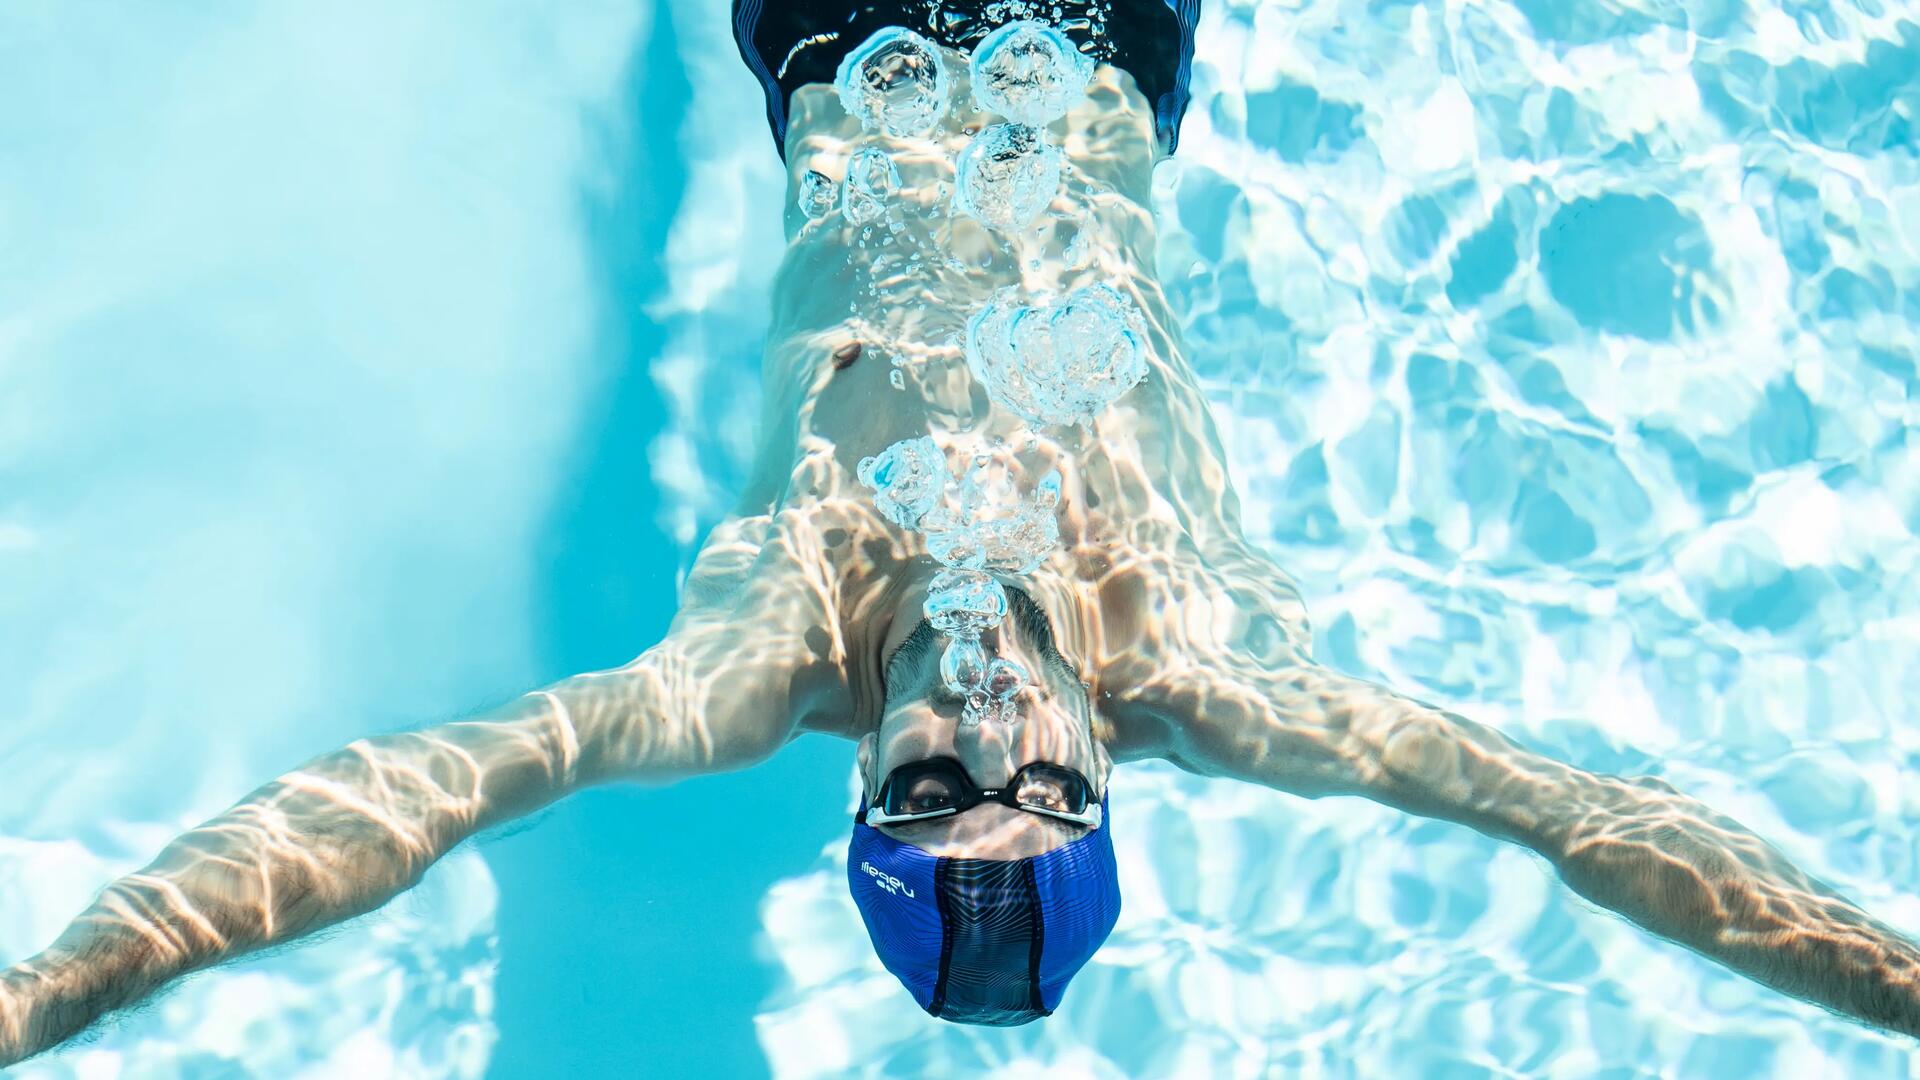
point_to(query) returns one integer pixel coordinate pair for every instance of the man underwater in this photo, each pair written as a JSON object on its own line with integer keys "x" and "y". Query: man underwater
{"x": 1152, "y": 629}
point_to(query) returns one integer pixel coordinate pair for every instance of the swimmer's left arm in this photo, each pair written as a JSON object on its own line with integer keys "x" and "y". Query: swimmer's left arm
{"x": 349, "y": 830}
{"x": 330, "y": 840}
{"x": 1636, "y": 846}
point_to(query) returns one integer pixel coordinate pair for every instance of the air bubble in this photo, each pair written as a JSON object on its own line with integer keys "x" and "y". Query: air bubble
{"x": 907, "y": 478}
{"x": 1006, "y": 176}
{"x": 1029, "y": 73}
{"x": 1057, "y": 364}
{"x": 963, "y": 602}
{"x": 963, "y": 666}
{"x": 818, "y": 195}
{"x": 871, "y": 182}
{"x": 894, "y": 82}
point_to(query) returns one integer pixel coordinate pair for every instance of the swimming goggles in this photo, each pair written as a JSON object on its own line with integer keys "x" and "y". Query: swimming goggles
{"x": 940, "y": 787}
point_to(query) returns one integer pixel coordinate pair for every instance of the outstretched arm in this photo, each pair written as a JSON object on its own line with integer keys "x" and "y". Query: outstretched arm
{"x": 333, "y": 839}
{"x": 344, "y": 833}
{"x": 1639, "y": 847}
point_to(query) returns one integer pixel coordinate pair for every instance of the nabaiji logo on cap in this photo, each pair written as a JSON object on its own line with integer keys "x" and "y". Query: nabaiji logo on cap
{"x": 886, "y": 881}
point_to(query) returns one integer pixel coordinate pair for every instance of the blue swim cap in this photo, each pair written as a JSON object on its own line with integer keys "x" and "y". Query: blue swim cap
{"x": 985, "y": 941}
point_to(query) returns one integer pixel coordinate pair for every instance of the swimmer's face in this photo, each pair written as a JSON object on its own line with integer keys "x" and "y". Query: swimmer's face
{"x": 1053, "y": 723}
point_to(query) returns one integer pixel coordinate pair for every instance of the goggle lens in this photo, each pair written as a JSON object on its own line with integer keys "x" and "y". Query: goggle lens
{"x": 924, "y": 793}
{"x": 934, "y": 787}
{"x": 1051, "y": 788}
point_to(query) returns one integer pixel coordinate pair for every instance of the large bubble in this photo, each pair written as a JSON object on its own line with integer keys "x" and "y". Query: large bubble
{"x": 977, "y": 519}
{"x": 818, "y": 195}
{"x": 964, "y": 602}
{"x": 1016, "y": 542}
{"x": 1057, "y": 364}
{"x": 1006, "y": 176}
{"x": 894, "y": 82}
{"x": 1029, "y": 73}
{"x": 907, "y": 478}
{"x": 871, "y": 181}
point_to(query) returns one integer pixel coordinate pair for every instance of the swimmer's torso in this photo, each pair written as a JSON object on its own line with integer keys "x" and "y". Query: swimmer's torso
{"x": 903, "y": 287}
{"x": 865, "y": 349}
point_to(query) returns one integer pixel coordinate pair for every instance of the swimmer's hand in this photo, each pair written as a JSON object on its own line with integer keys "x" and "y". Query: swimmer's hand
{"x": 343, "y": 834}
{"x": 1695, "y": 877}
{"x": 1639, "y": 847}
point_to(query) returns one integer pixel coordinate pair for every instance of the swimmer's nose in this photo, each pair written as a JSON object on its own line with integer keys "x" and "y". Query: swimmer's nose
{"x": 986, "y": 749}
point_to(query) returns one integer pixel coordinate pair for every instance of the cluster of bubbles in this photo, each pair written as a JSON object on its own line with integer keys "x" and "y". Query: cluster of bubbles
{"x": 975, "y": 519}
{"x": 1031, "y": 74}
{"x": 1006, "y": 176}
{"x": 1051, "y": 363}
{"x": 908, "y": 479}
{"x": 977, "y": 524}
{"x": 871, "y": 180}
{"x": 896, "y": 83}
{"x": 1058, "y": 363}
{"x": 961, "y": 604}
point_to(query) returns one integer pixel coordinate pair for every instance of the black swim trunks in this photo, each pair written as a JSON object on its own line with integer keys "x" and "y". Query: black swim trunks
{"x": 790, "y": 43}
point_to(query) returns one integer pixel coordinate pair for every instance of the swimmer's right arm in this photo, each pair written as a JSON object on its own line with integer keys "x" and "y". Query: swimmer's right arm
{"x": 344, "y": 833}
{"x": 1636, "y": 846}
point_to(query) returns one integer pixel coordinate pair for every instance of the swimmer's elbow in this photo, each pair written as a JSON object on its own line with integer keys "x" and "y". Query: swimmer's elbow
{"x": 665, "y": 717}
{"x": 1422, "y": 751}
{"x": 1435, "y": 763}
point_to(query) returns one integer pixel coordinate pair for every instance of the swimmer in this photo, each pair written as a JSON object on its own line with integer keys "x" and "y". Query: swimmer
{"x": 981, "y": 858}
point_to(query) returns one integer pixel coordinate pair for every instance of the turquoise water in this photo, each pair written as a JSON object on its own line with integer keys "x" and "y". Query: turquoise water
{"x": 362, "y": 369}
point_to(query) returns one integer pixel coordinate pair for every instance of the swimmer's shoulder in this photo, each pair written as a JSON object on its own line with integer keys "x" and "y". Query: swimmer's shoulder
{"x": 820, "y": 555}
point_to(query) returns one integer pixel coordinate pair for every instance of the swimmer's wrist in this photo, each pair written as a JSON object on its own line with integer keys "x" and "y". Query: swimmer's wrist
{"x": 51, "y": 998}
{"x": 19, "y": 991}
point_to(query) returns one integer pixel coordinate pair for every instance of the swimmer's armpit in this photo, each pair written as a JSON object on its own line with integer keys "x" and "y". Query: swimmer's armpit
{"x": 1636, "y": 846}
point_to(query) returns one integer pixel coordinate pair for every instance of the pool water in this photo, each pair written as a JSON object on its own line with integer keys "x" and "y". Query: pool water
{"x": 361, "y": 369}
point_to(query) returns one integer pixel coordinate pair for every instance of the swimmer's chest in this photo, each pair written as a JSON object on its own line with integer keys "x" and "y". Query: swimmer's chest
{"x": 1132, "y": 463}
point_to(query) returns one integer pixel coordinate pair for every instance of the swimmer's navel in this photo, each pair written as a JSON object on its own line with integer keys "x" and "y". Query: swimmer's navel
{"x": 845, "y": 355}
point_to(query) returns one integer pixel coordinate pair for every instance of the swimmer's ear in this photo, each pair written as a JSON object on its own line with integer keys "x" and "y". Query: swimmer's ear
{"x": 1102, "y": 764}
{"x": 865, "y": 758}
